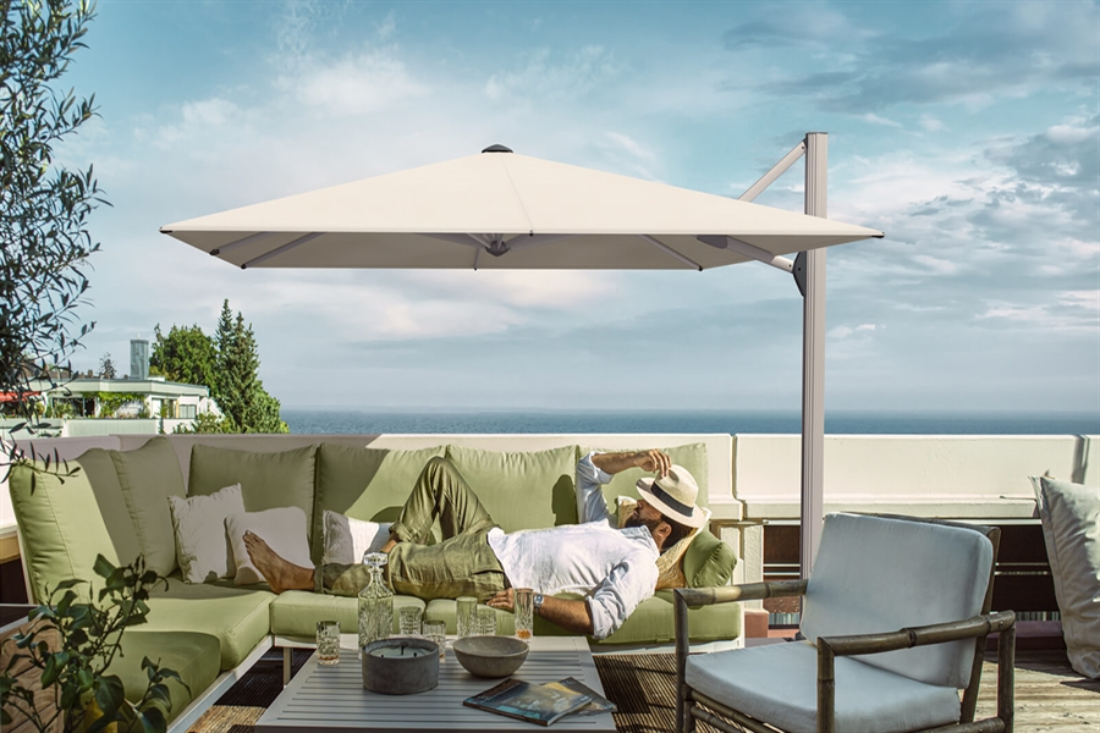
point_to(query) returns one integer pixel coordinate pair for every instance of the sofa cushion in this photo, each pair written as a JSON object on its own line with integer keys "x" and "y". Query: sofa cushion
{"x": 370, "y": 484}
{"x": 1070, "y": 514}
{"x": 60, "y": 525}
{"x": 195, "y": 656}
{"x": 347, "y": 539}
{"x": 268, "y": 480}
{"x": 879, "y": 574}
{"x": 239, "y": 617}
{"x": 202, "y": 545}
{"x": 523, "y": 490}
{"x": 148, "y": 476}
{"x": 296, "y": 613}
{"x": 100, "y": 469}
{"x": 777, "y": 683}
{"x": 692, "y": 456}
{"x": 708, "y": 562}
{"x": 282, "y": 528}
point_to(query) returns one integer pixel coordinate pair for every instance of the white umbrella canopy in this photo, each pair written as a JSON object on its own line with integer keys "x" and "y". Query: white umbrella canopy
{"x": 502, "y": 210}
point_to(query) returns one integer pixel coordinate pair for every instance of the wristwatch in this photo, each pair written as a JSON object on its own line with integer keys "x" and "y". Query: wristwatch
{"x": 536, "y": 604}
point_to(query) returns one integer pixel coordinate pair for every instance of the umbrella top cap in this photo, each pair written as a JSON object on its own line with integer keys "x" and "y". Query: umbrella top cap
{"x": 498, "y": 148}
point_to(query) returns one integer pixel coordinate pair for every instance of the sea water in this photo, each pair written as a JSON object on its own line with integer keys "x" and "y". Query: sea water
{"x": 324, "y": 421}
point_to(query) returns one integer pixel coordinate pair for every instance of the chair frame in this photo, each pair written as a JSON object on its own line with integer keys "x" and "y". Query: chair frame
{"x": 1003, "y": 623}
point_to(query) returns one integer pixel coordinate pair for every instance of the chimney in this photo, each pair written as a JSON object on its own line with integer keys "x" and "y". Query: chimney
{"x": 139, "y": 359}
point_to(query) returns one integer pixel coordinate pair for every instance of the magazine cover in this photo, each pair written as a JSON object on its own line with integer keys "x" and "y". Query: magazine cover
{"x": 539, "y": 704}
{"x": 598, "y": 703}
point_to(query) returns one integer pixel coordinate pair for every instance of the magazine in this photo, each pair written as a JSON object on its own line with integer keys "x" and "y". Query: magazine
{"x": 598, "y": 703}
{"x": 540, "y": 704}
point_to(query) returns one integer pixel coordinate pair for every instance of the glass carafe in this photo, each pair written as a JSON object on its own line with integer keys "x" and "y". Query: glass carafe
{"x": 375, "y": 602}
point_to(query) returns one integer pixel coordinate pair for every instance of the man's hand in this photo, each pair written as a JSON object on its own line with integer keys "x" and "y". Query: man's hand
{"x": 502, "y": 600}
{"x": 647, "y": 460}
{"x": 654, "y": 461}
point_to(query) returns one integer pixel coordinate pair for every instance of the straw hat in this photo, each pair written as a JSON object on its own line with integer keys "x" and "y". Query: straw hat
{"x": 674, "y": 496}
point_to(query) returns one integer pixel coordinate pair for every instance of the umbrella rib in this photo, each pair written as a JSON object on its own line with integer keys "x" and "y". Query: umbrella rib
{"x": 669, "y": 250}
{"x": 280, "y": 250}
{"x": 239, "y": 243}
{"x": 749, "y": 250}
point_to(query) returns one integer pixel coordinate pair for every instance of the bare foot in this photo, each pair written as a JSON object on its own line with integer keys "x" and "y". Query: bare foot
{"x": 280, "y": 574}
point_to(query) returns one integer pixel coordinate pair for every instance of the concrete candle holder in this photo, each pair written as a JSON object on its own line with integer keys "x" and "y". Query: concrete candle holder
{"x": 400, "y": 666}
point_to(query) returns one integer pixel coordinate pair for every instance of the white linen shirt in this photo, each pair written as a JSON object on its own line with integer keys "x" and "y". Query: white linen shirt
{"x": 615, "y": 568}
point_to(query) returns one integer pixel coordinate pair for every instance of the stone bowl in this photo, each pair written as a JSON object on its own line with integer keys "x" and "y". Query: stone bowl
{"x": 490, "y": 656}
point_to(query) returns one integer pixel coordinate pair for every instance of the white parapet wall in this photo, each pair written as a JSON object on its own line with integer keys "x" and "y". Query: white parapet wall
{"x": 955, "y": 476}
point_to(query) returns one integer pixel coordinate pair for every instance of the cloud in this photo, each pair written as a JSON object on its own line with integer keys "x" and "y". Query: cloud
{"x": 353, "y": 86}
{"x": 990, "y": 50}
{"x": 540, "y": 76}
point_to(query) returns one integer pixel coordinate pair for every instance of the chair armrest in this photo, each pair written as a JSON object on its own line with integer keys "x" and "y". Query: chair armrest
{"x": 844, "y": 646}
{"x": 829, "y": 647}
{"x": 696, "y": 597}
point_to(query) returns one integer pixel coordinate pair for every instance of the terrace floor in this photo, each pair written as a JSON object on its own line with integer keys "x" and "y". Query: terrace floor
{"x": 1050, "y": 696}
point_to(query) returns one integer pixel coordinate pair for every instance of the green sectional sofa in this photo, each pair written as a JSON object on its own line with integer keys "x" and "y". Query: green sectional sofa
{"x": 116, "y": 505}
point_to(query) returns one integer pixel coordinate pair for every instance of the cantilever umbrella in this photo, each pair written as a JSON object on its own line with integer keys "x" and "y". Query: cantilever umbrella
{"x": 502, "y": 210}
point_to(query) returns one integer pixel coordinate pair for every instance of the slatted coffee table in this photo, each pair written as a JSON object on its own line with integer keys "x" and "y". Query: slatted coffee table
{"x": 333, "y": 699}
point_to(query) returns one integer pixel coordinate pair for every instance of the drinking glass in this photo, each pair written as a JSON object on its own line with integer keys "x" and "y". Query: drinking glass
{"x": 466, "y": 616}
{"x": 437, "y": 631}
{"x": 410, "y": 620}
{"x": 328, "y": 642}
{"x": 523, "y": 599}
{"x": 486, "y": 621}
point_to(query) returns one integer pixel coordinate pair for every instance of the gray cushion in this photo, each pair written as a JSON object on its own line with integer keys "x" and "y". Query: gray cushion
{"x": 875, "y": 574}
{"x": 777, "y": 683}
{"x": 1070, "y": 514}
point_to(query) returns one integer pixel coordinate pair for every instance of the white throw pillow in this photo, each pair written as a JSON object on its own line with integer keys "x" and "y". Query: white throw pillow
{"x": 283, "y": 529}
{"x": 347, "y": 539}
{"x": 1070, "y": 514}
{"x": 202, "y": 549}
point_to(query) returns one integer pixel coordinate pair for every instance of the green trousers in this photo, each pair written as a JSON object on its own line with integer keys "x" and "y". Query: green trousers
{"x": 462, "y": 564}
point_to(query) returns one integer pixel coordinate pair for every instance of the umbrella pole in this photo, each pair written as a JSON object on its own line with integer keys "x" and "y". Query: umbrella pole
{"x": 813, "y": 358}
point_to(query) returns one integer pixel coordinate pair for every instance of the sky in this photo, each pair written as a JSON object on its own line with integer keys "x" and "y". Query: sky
{"x": 968, "y": 132}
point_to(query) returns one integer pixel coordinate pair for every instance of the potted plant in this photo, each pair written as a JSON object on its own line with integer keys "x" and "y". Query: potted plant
{"x": 87, "y": 638}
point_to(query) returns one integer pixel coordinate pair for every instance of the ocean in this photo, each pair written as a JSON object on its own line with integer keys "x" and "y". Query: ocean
{"x": 322, "y": 422}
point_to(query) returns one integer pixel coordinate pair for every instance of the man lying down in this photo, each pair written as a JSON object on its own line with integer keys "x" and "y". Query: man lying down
{"x": 616, "y": 569}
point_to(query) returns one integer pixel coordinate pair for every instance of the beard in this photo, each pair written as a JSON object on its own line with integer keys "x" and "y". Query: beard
{"x": 637, "y": 521}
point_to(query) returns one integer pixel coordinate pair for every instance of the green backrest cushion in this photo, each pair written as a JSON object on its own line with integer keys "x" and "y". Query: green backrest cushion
{"x": 147, "y": 476}
{"x": 708, "y": 561}
{"x": 371, "y": 484}
{"x": 524, "y": 490}
{"x": 693, "y": 457}
{"x": 100, "y": 469}
{"x": 268, "y": 480}
{"x": 60, "y": 525}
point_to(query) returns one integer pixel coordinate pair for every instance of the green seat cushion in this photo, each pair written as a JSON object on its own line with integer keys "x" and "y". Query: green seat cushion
{"x": 371, "y": 484}
{"x": 268, "y": 480}
{"x": 147, "y": 476}
{"x": 99, "y": 466}
{"x": 194, "y": 656}
{"x": 296, "y": 612}
{"x": 708, "y": 562}
{"x": 653, "y": 622}
{"x": 60, "y": 525}
{"x": 239, "y": 617}
{"x": 523, "y": 490}
{"x": 693, "y": 457}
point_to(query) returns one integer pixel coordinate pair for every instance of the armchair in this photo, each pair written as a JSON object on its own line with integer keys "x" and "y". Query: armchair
{"x": 895, "y": 618}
